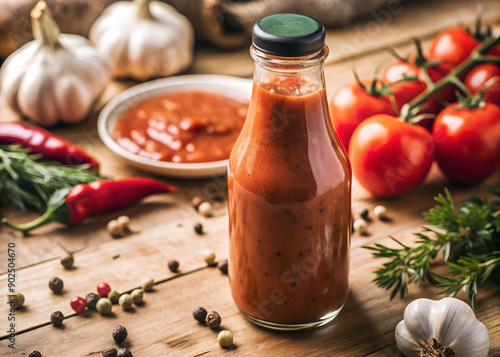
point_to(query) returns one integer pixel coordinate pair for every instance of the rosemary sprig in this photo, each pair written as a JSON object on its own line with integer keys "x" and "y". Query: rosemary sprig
{"x": 467, "y": 237}
{"x": 27, "y": 182}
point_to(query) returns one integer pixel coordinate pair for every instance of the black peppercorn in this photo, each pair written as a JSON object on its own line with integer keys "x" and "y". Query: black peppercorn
{"x": 109, "y": 352}
{"x": 222, "y": 265}
{"x": 57, "y": 318}
{"x": 173, "y": 265}
{"x": 35, "y": 354}
{"x": 200, "y": 314}
{"x": 91, "y": 299}
{"x": 365, "y": 214}
{"x": 124, "y": 352}
{"x": 119, "y": 334}
{"x": 198, "y": 228}
{"x": 67, "y": 261}
{"x": 213, "y": 320}
{"x": 56, "y": 285}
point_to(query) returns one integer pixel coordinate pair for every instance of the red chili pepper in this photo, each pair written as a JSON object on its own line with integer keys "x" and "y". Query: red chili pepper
{"x": 42, "y": 141}
{"x": 73, "y": 205}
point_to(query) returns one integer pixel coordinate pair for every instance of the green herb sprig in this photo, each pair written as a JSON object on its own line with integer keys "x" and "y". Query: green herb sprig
{"x": 468, "y": 238}
{"x": 27, "y": 182}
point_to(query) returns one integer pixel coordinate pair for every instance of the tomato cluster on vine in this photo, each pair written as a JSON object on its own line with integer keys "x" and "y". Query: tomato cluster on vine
{"x": 443, "y": 106}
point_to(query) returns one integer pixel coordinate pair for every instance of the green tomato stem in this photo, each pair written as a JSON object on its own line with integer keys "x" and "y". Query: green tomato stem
{"x": 452, "y": 77}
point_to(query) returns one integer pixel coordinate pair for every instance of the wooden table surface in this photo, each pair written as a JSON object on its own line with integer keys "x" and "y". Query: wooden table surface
{"x": 163, "y": 229}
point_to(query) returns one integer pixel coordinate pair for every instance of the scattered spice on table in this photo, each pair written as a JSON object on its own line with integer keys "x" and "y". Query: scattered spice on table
{"x": 205, "y": 209}
{"x": 173, "y": 265}
{"x": 137, "y": 296}
{"x": 380, "y": 212}
{"x": 113, "y": 296}
{"x": 213, "y": 320}
{"x": 222, "y": 266}
{"x": 119, "y": 334}
{"x": 196, "y": 202}
{"x": 104, "y": 306}
{"x": 35, "y": 354}
{"x": 18, "y": 298}
{"x": 109, "y": 352}
{"x": 124, "y": 352}
{"x": 78, "y": 304}
{"x": 91, "y": 299}
{"x": 148, "y": 285}
{"x": 56, "y": 285}
{"x": 103, "y": 289}
{"x": 200, "y": 314}
{"x": 125, "y": 301}
{"x": 225, "y": 338}
{"x": 57, "y": 318}
{"x": 198, "y": 228}
{"x": 209, "y": 256}
{"x": 67, "y": 261}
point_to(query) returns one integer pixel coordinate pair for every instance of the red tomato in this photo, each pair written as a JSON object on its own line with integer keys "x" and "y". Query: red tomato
{"x": 468, "y": 142}
{"x": 389, "y": 156}
{"x": 396, "y": 71}
{"x": 351, "y": 104}
{"x": 479, "y": 76}
{"x": 453, "y": 45}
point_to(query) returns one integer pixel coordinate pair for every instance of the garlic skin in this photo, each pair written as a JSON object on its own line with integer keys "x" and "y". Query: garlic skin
{"x": 54, "y": 78}
{"x": 144, "y": 39}
{"x": 450, "y": 321}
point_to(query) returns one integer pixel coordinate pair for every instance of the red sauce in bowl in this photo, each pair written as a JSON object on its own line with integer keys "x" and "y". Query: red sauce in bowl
{"x": 182, "y": 127}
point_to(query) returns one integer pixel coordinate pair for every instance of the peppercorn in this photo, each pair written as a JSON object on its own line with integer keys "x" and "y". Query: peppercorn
{"x": 225, "y": 338}
{"x": 78, "y": 304}
{"x": 205, "y": 209}
{"x": 56, "y": 285}
{"x": 91, "y": 299}
{"x": 67, "y": 261}
{"x": 213, "y": 320}
{"x": 380, "y": 212}
{"x": 114, "y": 228}
{"x": 124, "y": 352}
{"x": 103, "y": 289}
{"x": 125, "y": 301}
{"x": 35, "y": 354}
{"x": 209, "y": 256}
{"x": 109, "y": 352}
{"x": 222, "y": 265}
{"x": 200, "y": 314}
{"x": 124, "y": 221}
{"x": 119, "y": 334}
{"x": 196, "y": 202}
{"x": 359, "y": 225}
{"x": 18, "y": 298}
{"x": 113, "y": 296}
{"x": 148, "y": 285}
{"x": 198, "y": 228}
{"x": 104, "y": 306}
{"x": 137, "y": 296}
{"x": 173, "y": 265}
{"x": 57, "y": 318}
{"x": 365, "y": 214}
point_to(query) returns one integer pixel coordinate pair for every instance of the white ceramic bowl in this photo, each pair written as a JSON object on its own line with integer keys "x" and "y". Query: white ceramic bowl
{"x": 118, "y": 106}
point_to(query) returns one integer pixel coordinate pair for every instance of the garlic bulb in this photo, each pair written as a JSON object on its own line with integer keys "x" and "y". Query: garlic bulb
{"x": 144, "y": 39}
{"x": 56, "y": 77}
{"x": 447, "y": 326}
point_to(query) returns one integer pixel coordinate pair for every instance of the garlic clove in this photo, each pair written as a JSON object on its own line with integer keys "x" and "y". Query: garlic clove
{"x": 450, "y": 321}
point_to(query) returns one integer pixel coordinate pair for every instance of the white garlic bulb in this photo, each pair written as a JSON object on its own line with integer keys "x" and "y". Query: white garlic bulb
{"x": 56, "y": 77}
{"x": 439, "y": 324}
{"x": 144, "y": 39}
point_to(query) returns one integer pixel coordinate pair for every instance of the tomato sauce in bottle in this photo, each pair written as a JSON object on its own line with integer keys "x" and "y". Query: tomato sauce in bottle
{"x": 289, "y": 184}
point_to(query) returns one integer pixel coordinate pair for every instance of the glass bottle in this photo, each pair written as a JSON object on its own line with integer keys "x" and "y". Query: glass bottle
{"x": 289, "y": 183}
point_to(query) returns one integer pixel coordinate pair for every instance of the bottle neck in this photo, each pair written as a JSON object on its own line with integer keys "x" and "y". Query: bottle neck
{"x": 290, "y": 76}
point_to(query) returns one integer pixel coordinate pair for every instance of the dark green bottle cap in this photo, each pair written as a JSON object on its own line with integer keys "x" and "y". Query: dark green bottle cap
{"x": 288, "y": 35}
